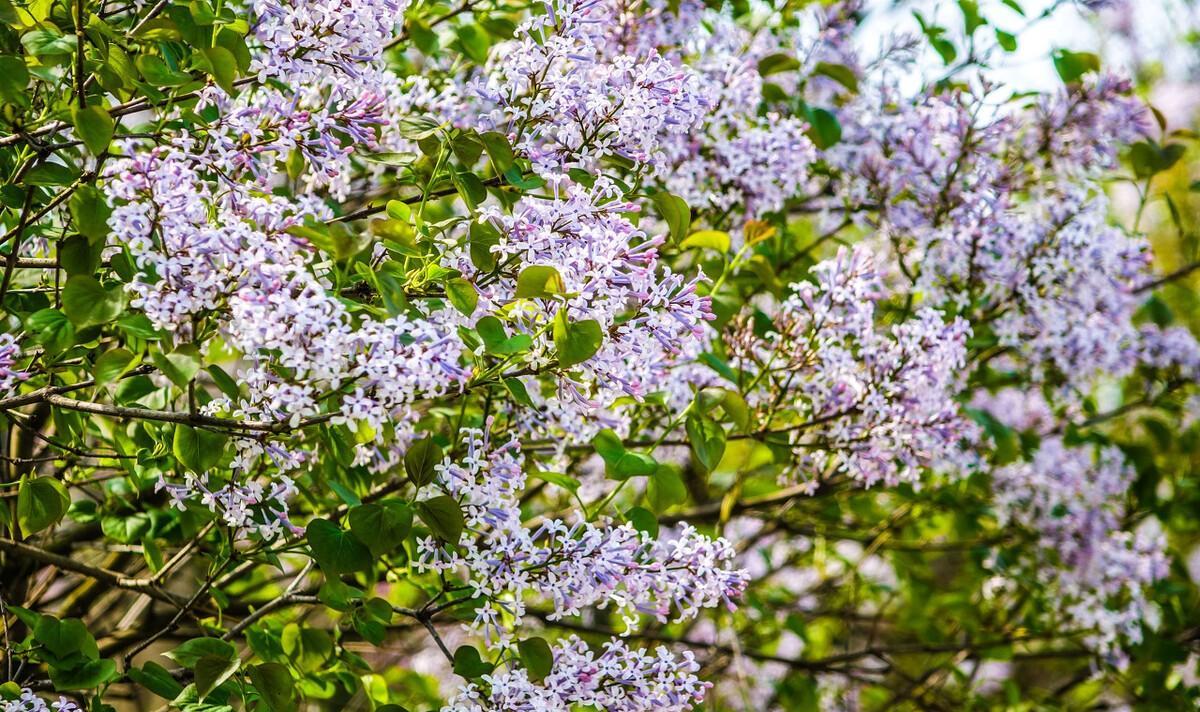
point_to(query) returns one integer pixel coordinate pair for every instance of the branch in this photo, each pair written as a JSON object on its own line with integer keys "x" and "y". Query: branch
{"x": 1167, "y": 278}
{"x": 111, "y": 578}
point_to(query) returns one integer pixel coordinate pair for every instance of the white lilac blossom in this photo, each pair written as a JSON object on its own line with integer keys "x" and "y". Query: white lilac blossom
{"x": 1172, "y": 349}
{"x": 875, "y": 404}
{"x": 611, "y": 273}
{"x": 251, "y": 508}
{"x": 280, "y": 316}
{"x": 570, "y": 566}
{"x": 30, "y": 702}
{"x": 1072, "y": 500}
{"x": 620, "y": 679}
{"x": 1023, "y": 409}
{"x": 737, "y": 159}
{"x": 998, "y": 216}
{"x": 10, "y": 375}
{"x": 568, "y": 105}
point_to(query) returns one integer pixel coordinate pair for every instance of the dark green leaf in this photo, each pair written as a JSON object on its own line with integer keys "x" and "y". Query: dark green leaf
{"x": 823, "y": 128}
{"x": 537, "y": 657}
{"x": 86, "y": 302}
{"x": 337, "y": 551}
{"x": 94, "y": 126}
{"x": 274, "y": 684}
{"x": 443, "y": 517}
{"x": 538, "y": 281}
{"x": 675, "y": 212}
{"x": 419, "y": 462}
{"x": 576, "y": 342}
{"x": 211, "y": 671}
{"x": 707, "y": 439}
{"x": 41, "y": 503}
{"x": 197, "y": 449}
{"x": 381, "y": 526}
{"x": 469, "y": 664}
{"x": 189, "y": 652}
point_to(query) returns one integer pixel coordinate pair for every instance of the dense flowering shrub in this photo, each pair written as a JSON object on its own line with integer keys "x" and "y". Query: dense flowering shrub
{"x": 589, "y": 354}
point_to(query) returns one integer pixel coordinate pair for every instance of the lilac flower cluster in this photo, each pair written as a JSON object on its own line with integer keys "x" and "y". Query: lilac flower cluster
{"x": 568, "y": 105}
{"x": 1071, "y": 499}
{"x": 29, "y": 702}
{"x": 999, "y": 217}
{"x": 209, "y": 238}
{"x": 878, "y": 406}
{"x": 737, "y": 159}
{"x": 621, "y": 679}
{"x": 610, "y": 273}
{"x": 10, "y": 354}
{"x": 571, "y": 566}
{"x": 250, "y": 508}
{"x": 322, "y": 91}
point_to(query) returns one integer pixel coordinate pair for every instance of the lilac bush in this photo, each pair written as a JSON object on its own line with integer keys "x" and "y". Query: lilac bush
{"x": 591, "y": 354}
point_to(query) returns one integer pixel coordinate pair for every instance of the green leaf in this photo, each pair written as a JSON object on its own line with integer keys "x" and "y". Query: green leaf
{"x": 1007, "y": 41}
{"x": 717, "y": 240}
{"x": 621, "y": 464}
{"x": 643, "y": 520}
{"x": 498, "y": 149}
{"x": 474, "y": 42}
{"x": 608, "y": 445}
{"x": 539, "y": 281}
{"x": 1071, "y": 66}
{"x": 86, "y": 302}
{"x": 211, "y": 671}
{"x": 537, "y": 657}
{"x": 399, "y": 210}
{"x": 274, "y": 684}
{"x": 52, "y": 329}
{"x": 197, "y": 449}
{"x": 307, "y": 647}
{"x": 496, "y": 340}
{"x": 48, "y": 42}
{"x": 47, "y": 173}
{"x": 567, "y": 482}
{"x": 675, "y": 212}
{"x": 665, "y": 488}
{"x": 158, "y": 73}
{"x": 78, "y": 255}
{"x": 90, "y": 674}
{"x": 576, "y": 342}
{"x": 707, "y": 439}
{"x": 94, "y": 126}
{"x": 470, "y": 187}
{"x": 840, "y": 73}
{"x": 381, "y": 526}
{"x": 775, "y": 63}
{"x": 41, "y": 503}
{"x": 517, "y": 180}
{"x": 14, "y": 81}
{"x": 111, "y": 365}
{"x": 157, "y": 679}
{"x": 224, "y": 68}
{"x": 181, "y": 365}
{"x": 337, "y": 551}
{"x": 420, "y": 461}
{"x": 443, "y": 517}
{"x": 191, "y": 651}
{"x": 823, "y": 127}
{"x": 462, "y": 295}
{"x": 468, "y": 663}
{"x": 65, "y": 638}
{"x": 224, "y": 381}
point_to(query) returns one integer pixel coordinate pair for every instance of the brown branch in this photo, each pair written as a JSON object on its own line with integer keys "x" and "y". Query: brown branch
{"x": 112, "y": 578}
